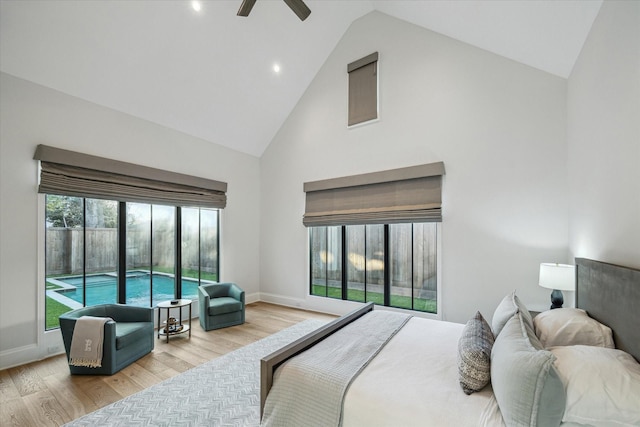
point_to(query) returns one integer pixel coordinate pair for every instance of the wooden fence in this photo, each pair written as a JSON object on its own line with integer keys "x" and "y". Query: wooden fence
{"x": 65, "y": 250}
{"x": 412, "y": 258}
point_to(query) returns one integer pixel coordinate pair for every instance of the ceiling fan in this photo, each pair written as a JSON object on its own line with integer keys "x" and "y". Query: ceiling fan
{"x": 298, "y": 7}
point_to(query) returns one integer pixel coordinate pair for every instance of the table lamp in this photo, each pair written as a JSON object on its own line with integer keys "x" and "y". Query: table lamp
{"x": 559, "y": 277}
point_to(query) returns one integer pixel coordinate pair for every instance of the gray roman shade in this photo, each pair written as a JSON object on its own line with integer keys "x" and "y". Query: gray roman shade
{"x": 412, "y": 194}
{"x": 70, "y": 173}
{"x": 363, "y": 89}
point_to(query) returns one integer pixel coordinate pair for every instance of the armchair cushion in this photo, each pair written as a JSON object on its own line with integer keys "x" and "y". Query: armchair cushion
{"x": 223, "y": 305}
{"x": 128, "y": 333}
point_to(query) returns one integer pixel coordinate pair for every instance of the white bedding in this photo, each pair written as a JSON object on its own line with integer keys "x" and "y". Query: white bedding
{"x": 413, "y": 381}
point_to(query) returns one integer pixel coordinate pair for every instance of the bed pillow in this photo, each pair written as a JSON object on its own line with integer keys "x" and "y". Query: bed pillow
{"x": 571, "y": 326}
{"x": 474, "y": 354}
{"x": 509, "y": 306}
{"x": 602, "y": 384}
{"x": 524, "y": 380}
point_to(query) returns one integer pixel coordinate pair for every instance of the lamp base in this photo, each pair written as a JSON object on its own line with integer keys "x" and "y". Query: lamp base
{"x": 557, "y": 299}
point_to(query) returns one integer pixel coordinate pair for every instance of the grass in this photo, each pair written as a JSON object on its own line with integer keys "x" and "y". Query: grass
{"x": 399, "y": 301}
{"x": 53, "y": 310}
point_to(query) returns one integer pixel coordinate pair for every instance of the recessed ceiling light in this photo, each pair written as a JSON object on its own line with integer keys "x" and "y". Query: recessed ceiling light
{"x": 196, "y": 5}
{"x": 276, "y": 68}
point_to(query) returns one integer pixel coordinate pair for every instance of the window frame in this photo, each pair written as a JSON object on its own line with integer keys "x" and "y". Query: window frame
{"x": 331, "y": 303}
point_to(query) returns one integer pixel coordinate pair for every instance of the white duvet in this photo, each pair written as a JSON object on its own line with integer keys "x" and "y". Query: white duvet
{"x": 413, "y": 381}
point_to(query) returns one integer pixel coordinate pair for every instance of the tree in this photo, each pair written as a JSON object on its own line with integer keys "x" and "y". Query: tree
{"x": 69, "y": 212}
{"x": 64, "y": 211}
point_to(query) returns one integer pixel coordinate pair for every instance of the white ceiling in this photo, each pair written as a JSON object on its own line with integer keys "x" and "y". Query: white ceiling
{"x": 209, "y": 74}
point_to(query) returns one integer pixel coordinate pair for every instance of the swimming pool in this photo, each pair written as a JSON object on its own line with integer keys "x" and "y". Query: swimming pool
{"x": 101, "y": 288}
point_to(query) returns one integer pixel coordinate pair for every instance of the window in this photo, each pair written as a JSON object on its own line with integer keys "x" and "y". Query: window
{"x": 115, "y": 231}
{"x": 374, "y": 237}
{"x": 389, "y": 264}
{"x": 87, "y": 239}
{"x": 363, "y": 89}
{"x": 199, "y": 243}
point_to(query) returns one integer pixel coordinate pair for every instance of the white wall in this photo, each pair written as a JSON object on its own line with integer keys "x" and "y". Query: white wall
{"x": 499, "y": 127}
{"x": 604, "y": 139}
{"x": 31, "y": 115}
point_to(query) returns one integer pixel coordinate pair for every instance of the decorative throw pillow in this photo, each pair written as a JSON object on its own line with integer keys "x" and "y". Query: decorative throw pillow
{"x": 527, "y": 387}
{"x": 603, "y": 385}
{"x": 509, "y": 306}
{"x": 474, "y": 354}
{"x": 571, "y": 326}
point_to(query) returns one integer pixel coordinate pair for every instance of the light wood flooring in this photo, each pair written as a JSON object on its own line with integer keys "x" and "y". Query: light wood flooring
{"x": 45, "y": 394}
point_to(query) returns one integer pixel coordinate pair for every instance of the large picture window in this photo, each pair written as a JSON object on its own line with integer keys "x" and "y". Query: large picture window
{"x": 122, "y": 232}
{"x": 374, "y": 237}
{"x": 86, "y": 239}
{"x": 389, "y": 264}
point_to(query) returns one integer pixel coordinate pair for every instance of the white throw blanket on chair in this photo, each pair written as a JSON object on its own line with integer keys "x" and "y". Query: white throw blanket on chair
{"x": 87, "y": 342}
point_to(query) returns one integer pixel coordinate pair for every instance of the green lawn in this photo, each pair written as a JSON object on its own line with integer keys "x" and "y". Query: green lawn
{"x": 419, "y": 304}
{"x": 53, "y": 310}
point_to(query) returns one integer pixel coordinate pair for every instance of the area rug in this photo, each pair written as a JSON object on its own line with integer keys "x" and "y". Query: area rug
{"x": 222, "y": 392}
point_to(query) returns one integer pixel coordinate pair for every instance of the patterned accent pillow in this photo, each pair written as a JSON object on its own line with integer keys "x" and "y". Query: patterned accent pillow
{"x": 474, "y": 354}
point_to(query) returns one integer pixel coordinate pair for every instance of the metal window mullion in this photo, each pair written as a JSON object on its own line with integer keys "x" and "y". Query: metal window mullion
{"x": 84, "y": 252}
{"x": 177, "y": 278}
{"x": 151, "y": 258}
{"x": 199, "y": 247}
{"x": 310, "y": 239}
{"x": 366, "y": 272}
{"x": 218, "y": 246}
{"x": 343, "y": 256}
{"x": 326, "y": 264}
{"x": 121, "y": 297}
{"x": 387, "y": 275}
{"x": 412, "y": 269}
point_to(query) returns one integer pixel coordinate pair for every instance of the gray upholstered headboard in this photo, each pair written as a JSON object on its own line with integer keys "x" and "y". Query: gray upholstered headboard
{"x": 611, "y": 295}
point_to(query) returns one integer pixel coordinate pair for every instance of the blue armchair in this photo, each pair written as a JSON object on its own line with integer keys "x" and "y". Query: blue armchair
{"x": 221, "y": 305}
{"x": 126, "y": 339}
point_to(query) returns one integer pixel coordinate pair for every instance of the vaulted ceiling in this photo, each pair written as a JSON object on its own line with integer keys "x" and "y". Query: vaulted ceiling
{"x": 207, "y": 72}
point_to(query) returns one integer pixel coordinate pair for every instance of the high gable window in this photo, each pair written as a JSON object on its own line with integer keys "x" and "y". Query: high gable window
{"x": 363, "y": 89}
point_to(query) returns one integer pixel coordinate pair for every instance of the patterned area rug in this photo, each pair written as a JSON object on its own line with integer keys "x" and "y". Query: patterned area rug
{"x": 222, "y": 392}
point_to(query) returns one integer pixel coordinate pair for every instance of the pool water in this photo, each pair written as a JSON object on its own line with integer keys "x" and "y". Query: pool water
{"x": 102, "y": 288}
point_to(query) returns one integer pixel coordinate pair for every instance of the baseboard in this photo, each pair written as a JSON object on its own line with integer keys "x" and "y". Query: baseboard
{"x": 19, "y": 356}
{"x": 280, "y": 300}
{"x": 312, "y": 303}
{"x": 253, "y": 297}
{"x": 333, "y": 306}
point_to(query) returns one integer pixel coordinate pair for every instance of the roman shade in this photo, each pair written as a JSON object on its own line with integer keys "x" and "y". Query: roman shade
{"x": 412, "y": 194}
{"x": 70, "y": 173}
{"x": 363, "y": 89}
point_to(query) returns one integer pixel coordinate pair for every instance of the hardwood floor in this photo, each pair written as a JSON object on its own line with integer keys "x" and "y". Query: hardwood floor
{"x": 45, "y": 394}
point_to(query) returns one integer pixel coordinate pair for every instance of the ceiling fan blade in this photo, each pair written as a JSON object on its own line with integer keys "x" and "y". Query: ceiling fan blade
{"x": 246, "y": 7}
{"x": 299, "y": 8}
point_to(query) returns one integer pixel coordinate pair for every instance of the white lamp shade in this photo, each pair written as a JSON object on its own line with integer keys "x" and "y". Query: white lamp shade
{"x": 558, "y": 276}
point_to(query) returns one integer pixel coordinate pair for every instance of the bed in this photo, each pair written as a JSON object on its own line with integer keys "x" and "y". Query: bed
{"x": 416, "y": 374}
